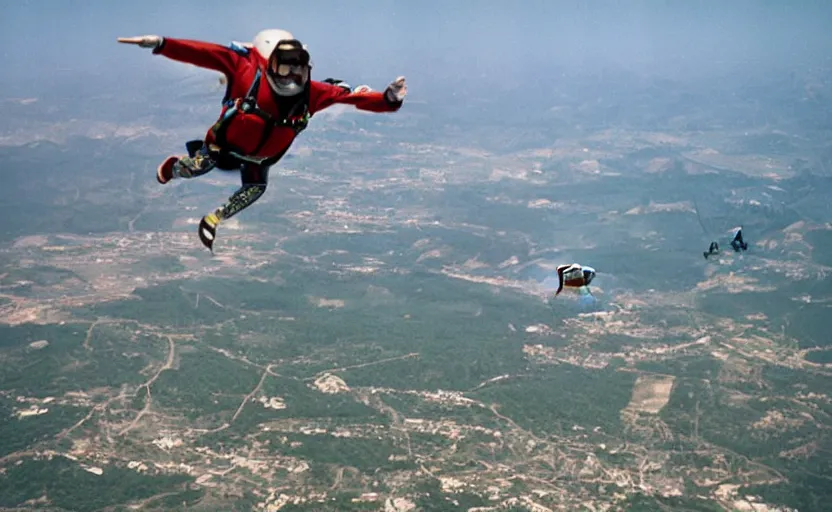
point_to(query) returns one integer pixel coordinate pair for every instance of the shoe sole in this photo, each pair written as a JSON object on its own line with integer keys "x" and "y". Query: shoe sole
{"x": 167, "y": 164}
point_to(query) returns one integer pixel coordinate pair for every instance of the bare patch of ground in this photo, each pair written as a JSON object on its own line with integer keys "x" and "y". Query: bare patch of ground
{"x": 681, "y": 206}
{"x": 327, "y": 303}
{"x": 331, "y": 384}
{"x": 651, "y": 393}
{"x": 30, "y": 241}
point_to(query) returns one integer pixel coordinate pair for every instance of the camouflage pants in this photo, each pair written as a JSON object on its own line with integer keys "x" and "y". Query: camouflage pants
{"x": 254, "y": 179}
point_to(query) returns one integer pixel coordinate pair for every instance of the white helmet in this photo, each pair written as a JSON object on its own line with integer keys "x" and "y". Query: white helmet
{"x": 266, "y": 40}
{"x": 289, "y": 77}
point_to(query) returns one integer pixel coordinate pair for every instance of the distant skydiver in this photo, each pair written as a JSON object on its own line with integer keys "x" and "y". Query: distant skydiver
{"x": 269, "y": 99}
{"x": 574, "y": 276}
{"x": 713, "y": 249}
{"x": 738, "y": 243}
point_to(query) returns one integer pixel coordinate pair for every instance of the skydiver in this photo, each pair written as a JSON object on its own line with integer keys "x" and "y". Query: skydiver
{"x": 738, "y": 243}
{"x": 574, "y": 276}
{"x": 713, "y": 249}
{"x": 269, "y": 99}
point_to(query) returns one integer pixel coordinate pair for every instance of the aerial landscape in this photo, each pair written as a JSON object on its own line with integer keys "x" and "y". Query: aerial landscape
{"x": 380, "y": 332}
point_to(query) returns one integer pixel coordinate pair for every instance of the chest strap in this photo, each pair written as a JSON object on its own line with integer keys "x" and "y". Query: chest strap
{"x": 248, "y": 105}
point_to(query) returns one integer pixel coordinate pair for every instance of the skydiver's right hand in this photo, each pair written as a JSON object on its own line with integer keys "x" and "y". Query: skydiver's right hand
{"x": 153, "y": 42}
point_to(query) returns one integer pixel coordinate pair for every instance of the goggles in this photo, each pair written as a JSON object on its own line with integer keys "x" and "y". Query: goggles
{"x": 289, "y": 57}
{"x": 286, "y": 70}
{"x": 290, "y": 61}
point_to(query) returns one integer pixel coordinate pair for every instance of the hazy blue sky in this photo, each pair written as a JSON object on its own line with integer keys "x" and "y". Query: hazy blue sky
{"x": 432, "y": 42}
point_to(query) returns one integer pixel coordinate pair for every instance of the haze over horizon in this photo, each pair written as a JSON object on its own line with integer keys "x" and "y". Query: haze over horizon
{"x": 440, "y": 46}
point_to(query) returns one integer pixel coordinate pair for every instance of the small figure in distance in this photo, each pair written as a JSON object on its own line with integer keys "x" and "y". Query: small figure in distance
{"x": 738, "y": 243}
{"x": 574, "y": 276}
{"x": 713, "y": 249}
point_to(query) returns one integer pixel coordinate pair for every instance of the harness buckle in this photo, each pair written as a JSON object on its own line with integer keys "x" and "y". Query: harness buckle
{"x": 247, "y": 104}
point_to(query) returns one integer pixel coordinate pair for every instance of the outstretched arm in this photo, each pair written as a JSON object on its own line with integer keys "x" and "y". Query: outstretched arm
{"x": 324, "y": 95}
{"x": 202, "y": 54}
{"x": 205, "y": 55}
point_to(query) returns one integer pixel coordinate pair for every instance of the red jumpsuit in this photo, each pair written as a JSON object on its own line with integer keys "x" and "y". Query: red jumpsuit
{"x": 255, "y": 142}
{"x": 245, "y": 129}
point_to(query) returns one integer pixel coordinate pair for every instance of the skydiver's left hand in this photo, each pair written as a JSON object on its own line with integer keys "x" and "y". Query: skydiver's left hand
{"x": 397, "y": 90}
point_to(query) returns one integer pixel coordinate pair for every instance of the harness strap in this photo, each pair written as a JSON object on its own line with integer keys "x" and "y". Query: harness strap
{"x": 248, "y": 105}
